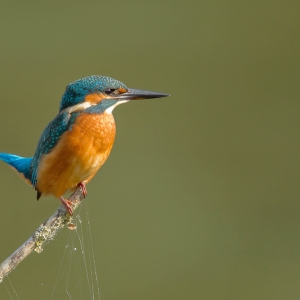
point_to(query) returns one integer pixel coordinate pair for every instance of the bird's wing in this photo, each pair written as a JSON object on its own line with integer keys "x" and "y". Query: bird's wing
{"x": 50, "y": 138}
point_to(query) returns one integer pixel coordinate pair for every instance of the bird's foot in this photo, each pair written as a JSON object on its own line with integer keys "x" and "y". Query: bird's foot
{"x": 67, "y": 204}
{"x": 83, "y": 189}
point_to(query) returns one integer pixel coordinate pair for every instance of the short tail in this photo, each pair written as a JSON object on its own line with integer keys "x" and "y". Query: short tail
{"x": 20, "y": 164}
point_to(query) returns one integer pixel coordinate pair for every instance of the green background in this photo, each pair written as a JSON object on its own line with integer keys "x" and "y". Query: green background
{"x": 199, "y": 198}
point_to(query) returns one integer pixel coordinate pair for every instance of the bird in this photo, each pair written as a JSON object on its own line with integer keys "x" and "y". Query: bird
{"x": 78, "y": 141}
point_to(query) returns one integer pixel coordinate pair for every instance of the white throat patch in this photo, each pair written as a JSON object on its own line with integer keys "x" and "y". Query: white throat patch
{"x": 85, "y": 105}
{"x": 111, "y": 108}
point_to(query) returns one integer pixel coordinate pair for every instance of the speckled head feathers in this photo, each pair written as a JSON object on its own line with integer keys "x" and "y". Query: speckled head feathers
{"x": 79, "y": 89}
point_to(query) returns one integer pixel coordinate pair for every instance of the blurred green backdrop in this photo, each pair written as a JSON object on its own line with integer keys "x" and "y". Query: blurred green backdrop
{"x": 200, "y": 196}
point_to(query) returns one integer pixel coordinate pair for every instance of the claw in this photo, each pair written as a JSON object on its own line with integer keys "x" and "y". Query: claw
{"x": 67, "y": 204}
{"x": 83, "y": 189}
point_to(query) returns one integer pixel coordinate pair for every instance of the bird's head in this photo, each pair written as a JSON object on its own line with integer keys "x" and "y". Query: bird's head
{"x": 101, "y": 91}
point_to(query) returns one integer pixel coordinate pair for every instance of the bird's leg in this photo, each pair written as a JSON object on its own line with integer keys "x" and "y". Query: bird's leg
{"x": 83, "y": 188}
{"x": 67, "y": 204}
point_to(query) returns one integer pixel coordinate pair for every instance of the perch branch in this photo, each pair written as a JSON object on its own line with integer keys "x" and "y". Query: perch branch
{"x": 44, "y": 232}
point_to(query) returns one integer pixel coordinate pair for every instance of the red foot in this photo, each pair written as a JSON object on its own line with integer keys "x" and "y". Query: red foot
{"x": 67, "y": 205}
{"x": 83, "y": 189}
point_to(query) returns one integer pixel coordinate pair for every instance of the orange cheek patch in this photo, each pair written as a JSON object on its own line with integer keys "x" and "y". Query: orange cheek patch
{"x": 94, "y": 98}
{"x": 122, "y": 90}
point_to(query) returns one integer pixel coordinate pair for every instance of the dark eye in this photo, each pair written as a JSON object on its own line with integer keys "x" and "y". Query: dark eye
{"x": 111, "y": 92}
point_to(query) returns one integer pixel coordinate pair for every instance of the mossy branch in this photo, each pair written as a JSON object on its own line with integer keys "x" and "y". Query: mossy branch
{"x": 44, "y": 232}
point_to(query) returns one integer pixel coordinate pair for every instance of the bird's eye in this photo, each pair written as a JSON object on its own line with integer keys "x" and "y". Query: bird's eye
{"x": 111, "y": 92}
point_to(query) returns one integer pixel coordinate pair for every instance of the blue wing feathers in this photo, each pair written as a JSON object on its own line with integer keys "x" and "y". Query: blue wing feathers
{"x": 50, "y": 138}
{"x": 21, "y": 164}
{"x": 28, "y": 166}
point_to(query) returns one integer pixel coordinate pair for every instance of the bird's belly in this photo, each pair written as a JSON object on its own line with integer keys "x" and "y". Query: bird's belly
{"x": 79, "y": 154}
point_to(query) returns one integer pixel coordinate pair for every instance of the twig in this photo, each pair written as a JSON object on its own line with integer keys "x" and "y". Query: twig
{"x": 44, "y": 232}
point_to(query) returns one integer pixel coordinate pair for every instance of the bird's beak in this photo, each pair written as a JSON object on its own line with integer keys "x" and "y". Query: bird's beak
{"x": 132, "y": 94}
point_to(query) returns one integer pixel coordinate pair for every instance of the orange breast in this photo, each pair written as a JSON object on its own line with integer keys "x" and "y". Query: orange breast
{"x": 79, "y": 154}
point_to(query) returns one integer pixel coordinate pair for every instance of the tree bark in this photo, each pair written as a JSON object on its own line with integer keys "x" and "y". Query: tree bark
{"x": 43, "y": 233}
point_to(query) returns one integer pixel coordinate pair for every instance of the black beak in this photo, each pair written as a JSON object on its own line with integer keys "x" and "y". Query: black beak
{"x": 133, "y": 94}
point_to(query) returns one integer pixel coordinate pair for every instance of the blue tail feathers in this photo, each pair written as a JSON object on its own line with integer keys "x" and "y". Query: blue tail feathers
{"x": 21, "y": 164}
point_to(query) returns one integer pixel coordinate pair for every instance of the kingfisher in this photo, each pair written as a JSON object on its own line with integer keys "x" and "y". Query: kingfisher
{"x": 78, "y": 141}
